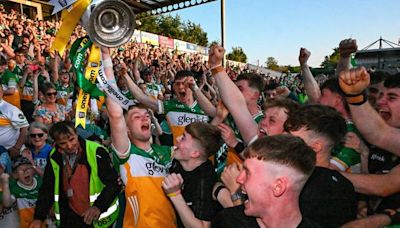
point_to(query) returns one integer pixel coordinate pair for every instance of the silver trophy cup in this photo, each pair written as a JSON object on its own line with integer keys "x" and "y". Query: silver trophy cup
{"x": 109, "y": 23}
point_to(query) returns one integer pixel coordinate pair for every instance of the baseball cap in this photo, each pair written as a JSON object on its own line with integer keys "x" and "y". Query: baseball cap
{"x": 20, "y": 160}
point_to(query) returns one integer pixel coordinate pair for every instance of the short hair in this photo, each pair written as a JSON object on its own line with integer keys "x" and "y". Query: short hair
{"x": 183, "y": 73}
{"x": 320, "y": 119}
{"x": 286, "y": 149}
{"x": 255, "y": 81}
{"x": 46, "y": 86}
{"x": 271, "y": 86}
{"x": 332, "y": 85}
{"x": 286, "y": 103}
{"x": 378, "y": 77}
{"x": 207, "y": 135}
{"x": 392, "y": 81}
{"x": 38, "y": 125}
{"x": 62, "y": 128}
{"x": 136, "y": 105}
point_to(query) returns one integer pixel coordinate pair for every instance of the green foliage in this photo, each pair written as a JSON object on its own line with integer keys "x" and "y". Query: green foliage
{"x": 272, "y": 63}
{"x": 330, "y": 62}
{"x": 174, "y": 27}
{"x": 214, "y": 42}
{"x": 237, "y": 54}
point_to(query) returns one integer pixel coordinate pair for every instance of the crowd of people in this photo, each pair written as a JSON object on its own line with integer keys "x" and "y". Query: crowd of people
{"x": 203, "y": 145}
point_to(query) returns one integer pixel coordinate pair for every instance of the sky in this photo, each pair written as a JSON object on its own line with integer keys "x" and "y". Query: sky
{"x": 278, "y": 28}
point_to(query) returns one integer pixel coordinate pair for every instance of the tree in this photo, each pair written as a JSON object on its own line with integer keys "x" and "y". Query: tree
{"x": 214, "y": 42}
{"x": 272, "y": 63}
{"x": 194, "y": 33}
{"x": 174, "y": 27}
{"x": 330, "y": 62}
{"x": 237, "y": 54}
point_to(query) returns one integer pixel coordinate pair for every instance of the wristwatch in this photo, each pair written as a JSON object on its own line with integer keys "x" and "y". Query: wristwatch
{"x": 237, "y": 196}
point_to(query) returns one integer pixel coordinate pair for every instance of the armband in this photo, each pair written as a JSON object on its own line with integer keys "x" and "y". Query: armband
{"x": 217, "y": 190}
{"x": 357, "y": 99}
{"x": 107, "y": 63}
{"x": 216, "y": 70}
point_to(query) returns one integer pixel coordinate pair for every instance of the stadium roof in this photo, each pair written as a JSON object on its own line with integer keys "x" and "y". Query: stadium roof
{"x": 143, "y": 8}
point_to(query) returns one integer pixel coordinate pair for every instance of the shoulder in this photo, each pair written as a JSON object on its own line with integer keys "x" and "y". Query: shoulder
{"x": 233, "y": 217}
{"x": 307, "y": 223}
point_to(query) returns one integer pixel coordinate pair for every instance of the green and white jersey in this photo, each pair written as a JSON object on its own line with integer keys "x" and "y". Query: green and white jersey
{"x": 153, "y": 89}
{"x": 256, "y": 117}
{"x": 26, "y": 199}
{"x": 127, "y": 94}
{"x": 63, "y": 93}
{"x": 143, "y": 173}
{"x": 27, "y": 90}
{"x": 178, "y": 115}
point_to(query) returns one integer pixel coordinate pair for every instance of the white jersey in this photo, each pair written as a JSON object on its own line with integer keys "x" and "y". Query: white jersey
{"x": 11, "y": 120}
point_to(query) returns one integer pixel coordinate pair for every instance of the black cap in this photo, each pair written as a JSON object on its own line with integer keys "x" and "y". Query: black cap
{"x": 20, "y": 160}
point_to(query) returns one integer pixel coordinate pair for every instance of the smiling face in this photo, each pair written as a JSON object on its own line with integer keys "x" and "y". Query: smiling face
{"x": 272, "y": 123}
{"x": 388, "y": 106}
{"x": 38, "y": 137}
{"x": 257, "y": 182}
{"x": 50, "y": 96}
{"x": 185, "y": 147}
{"x": 139, "y": 124}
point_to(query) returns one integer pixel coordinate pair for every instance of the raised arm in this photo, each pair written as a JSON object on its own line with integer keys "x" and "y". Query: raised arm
{"x": 374, "y": 129}
{"x": 346, "y": 47}
{"x": 231, "y": 96}
{"x": 119, "y": 132}
{"x": 310, "y": 84}
{"x": 138, "y": 94}
{"x": 203, "y": 101}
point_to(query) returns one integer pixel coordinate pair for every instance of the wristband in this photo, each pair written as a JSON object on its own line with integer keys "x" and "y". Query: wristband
{"x": 173, "y": 194}
{"x": 217, "y": 190}
{"x": 357, "y": 99}
{"x": 394, "y": 215}
{"x": 107, "y": 63}
{"x": 239, "y": 147}
{"x": 216, "y": 70}
{"x": 237, "y": 196}
{"x": 111, "y": 81}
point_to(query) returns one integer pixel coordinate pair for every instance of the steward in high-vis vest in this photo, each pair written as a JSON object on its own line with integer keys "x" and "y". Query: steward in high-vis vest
{"x": 79, "y": 182}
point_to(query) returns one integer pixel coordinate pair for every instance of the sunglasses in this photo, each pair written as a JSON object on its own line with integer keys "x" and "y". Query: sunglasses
{"x": 39, "y": 135}
{"x": 50, "y": 94}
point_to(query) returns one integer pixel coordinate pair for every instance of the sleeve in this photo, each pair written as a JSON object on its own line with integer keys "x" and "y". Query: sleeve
{"x": 162, "y": 105}
{"x": 46, "y": 194}
{"x": 17, "y": 118}
{"x": 109, "y": 177}
{"x": 120, "y": 158}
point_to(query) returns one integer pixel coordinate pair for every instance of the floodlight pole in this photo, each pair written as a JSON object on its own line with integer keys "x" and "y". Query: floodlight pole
{"x": 223, "y": 28}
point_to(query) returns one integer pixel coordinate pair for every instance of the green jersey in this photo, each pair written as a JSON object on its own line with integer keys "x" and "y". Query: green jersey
{"x": 344, "y": 157}
{"x": 178, "y": 115}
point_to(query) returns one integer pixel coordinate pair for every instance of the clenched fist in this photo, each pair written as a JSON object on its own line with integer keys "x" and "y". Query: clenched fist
{"x": 346, "y": 47}
{"x": 354, "y": 81}
{"x": 215, "y": 56}
{"x": 303, "y": 56}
